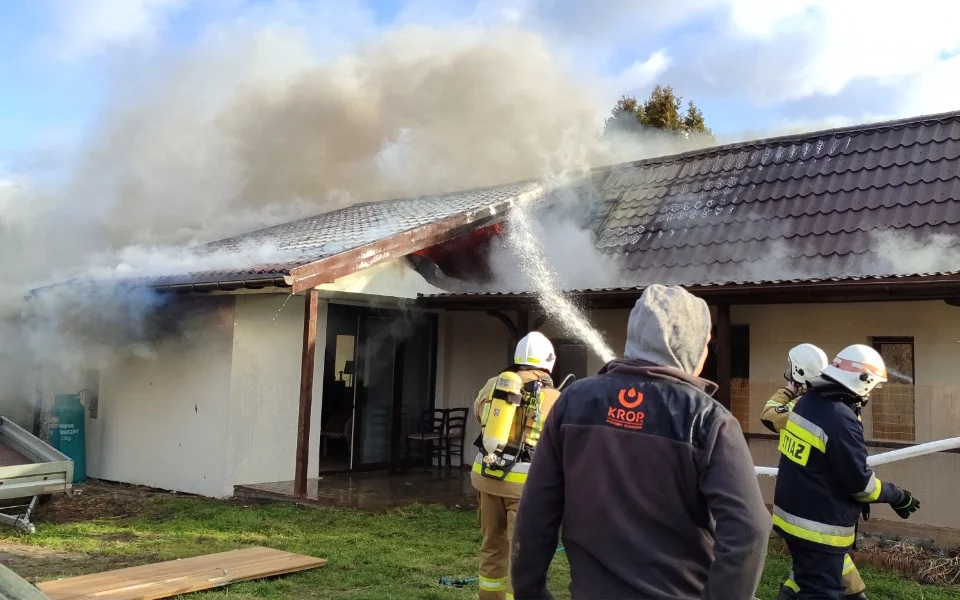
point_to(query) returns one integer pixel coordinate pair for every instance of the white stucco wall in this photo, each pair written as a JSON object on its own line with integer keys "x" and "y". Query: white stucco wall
{"x": 221, "y": 409}
{"x": 475, "y": 348}
{"x": 934, "y": 326}
{"x": 162, "y": 419}
{"x": 265, "y": 390}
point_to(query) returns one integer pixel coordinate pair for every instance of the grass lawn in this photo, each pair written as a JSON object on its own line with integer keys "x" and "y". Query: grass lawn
{"x": 400, "y": 555}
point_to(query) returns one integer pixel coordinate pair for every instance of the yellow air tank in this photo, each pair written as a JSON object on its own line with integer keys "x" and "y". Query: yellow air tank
{"x": 504, "y": 400}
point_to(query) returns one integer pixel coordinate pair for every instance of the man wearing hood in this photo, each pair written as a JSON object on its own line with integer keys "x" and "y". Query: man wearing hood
{"x": 649, "y": 476}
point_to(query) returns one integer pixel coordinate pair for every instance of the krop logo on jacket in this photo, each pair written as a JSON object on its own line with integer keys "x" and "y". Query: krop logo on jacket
{"x": 627, "y": 415}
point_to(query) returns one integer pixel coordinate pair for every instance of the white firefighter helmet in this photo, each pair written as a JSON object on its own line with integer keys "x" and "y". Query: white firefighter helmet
{"x": 535, "y": 350}
{"x": 804, "y": 362}
{"x": 858, "y": 368}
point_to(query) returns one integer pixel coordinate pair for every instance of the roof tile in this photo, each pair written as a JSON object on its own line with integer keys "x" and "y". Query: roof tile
{"x": 811, "y": 198}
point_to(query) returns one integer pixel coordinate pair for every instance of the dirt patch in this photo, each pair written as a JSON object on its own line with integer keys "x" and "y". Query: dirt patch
{"x": 919, "y": 560}
{"x": 15, "y": 551}
{"x": 36, "y": 564}
{"x": 100, "y": 500}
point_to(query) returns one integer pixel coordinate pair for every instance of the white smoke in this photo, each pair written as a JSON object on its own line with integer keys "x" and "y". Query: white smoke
{"x": 900, "y": 252}
{"x": 247, "y": 129}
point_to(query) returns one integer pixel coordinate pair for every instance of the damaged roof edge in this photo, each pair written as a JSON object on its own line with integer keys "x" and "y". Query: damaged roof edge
{"x": 312, "y": 274}
{"x": 908, "y": 288}
{"x": 329, "y": 269}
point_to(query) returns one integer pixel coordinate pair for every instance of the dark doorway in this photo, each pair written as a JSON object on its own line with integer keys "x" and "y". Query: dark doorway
{"x": 571, "y": 360}
{"x": 379, "y": 369}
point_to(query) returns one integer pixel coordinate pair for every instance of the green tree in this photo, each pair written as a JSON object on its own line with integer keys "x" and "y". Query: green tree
{"x": 660, "y": 111}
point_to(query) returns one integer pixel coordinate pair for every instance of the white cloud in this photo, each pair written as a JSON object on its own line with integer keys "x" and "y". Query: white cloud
{"x": 89, "y": 27}
{"x": 805, "y": 55}
{"x": 935, "y": 90}
{"x": 641, "y": 75}
{"x": 768, "y": 53}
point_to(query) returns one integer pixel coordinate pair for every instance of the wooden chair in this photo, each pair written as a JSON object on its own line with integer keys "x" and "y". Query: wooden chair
{"x": 337, "y": 428}
{"x": 433, "y": 422}
{"x": 454, "y": 433}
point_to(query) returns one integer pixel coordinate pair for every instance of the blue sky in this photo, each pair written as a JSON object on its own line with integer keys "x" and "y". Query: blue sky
{"x": 752, "y": 66}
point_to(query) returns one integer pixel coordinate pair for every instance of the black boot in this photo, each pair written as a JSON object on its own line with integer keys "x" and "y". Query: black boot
{"x": 857, "y": 596}
{"x": 786, "y": 593}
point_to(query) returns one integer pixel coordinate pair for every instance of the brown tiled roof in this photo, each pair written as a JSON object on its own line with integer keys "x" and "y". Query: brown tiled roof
{"x": 326, "y": 237}
{"x": 809, "y": 207}
{"x": 814, "y": 206}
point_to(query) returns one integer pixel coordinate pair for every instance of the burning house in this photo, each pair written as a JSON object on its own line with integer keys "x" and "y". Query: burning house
{"x": 328, "y": 363}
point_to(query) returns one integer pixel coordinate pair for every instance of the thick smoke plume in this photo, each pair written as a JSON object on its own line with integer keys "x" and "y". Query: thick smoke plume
{"x": 244, "y": 131}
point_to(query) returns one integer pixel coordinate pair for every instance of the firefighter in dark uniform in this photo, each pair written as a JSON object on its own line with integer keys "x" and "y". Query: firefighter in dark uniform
{"x": 824, "y": 483}
{"x": 805, "y": 362}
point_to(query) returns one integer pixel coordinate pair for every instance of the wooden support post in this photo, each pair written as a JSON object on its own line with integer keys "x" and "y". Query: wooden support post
{"x": 523, "y": 323}
{"x": 306, "y": 390}
{"x": 724, "y": 347}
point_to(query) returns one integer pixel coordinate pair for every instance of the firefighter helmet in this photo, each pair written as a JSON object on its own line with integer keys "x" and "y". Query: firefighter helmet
{"x": 804, "y": 362}
{"x": 858, "y": 368}
{"x": 535, "y": 350}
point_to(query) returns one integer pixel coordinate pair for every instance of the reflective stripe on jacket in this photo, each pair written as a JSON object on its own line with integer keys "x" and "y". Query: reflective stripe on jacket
{"x": 777, "y": 409}
{"x": 823, "y": 477}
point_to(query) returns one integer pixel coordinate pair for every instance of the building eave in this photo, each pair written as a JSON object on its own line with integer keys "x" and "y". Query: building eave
{"x": 885, "y": 289}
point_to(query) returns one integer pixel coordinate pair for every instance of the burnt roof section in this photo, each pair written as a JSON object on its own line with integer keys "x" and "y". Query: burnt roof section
{"x": 850, "y": 202}
{"x": 355, "y": 234}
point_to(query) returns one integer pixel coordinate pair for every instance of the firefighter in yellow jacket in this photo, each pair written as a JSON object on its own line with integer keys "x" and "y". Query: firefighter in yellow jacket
{"x": 511, "y": 408}
{"x": 805, "y": 362}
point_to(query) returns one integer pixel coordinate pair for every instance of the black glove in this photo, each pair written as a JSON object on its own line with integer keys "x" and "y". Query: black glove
{"x": 865, "y": 511}
{"x": 906, "y": 505}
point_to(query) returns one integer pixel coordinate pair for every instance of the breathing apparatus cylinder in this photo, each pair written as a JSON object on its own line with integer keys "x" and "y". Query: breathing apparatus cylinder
{"x": 505, "y": 398}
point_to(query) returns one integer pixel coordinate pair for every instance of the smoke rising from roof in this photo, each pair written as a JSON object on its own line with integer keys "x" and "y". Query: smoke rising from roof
{"x": 247, "y": 130}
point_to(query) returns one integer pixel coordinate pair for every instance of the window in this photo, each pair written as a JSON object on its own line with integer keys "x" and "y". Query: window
{"x": 739, "y": 357}
{"x": 893, "y": 404}
{"x": 739, "y": 370}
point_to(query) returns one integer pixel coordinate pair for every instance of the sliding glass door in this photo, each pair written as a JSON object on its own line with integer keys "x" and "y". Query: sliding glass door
{"x": 390, "y": 361}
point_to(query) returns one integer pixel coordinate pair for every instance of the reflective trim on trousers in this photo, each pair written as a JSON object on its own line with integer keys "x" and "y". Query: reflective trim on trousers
{"x": 812, "y": 531}
{"x": 493, "y": 585}
{"x": 872, "y": 492}
{"x": 847, "y": 567}
{"x": 807, "y": 431}
{"x": 847, "y": 564}
{"x": 517, "y": 474}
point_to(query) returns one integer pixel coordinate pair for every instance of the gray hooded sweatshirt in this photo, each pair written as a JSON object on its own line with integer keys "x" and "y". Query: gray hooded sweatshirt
{"x": 650, "y": 478}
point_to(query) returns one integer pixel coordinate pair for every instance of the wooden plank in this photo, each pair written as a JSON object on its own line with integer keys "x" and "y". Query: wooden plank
{"x": 175, "y": 577}
{"x": 307, "y": 366}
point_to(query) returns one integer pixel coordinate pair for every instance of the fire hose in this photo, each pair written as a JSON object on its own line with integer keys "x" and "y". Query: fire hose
{"x": 873, "y": 461}
{"x": 891, "y": 456}
{"x": 463, "y": 582}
